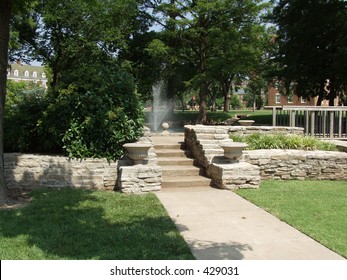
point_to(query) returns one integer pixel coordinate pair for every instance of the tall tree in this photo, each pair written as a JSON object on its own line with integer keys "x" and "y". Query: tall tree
{"x": 5, "y": 16}
{"x": 204, "y": 28}
{"x": 80, "y": 41}
{"x": 7, "y": 9}
{"x": 312, "y": 38}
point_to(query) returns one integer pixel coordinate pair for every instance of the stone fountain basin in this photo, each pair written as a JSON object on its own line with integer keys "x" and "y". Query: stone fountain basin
{"x": 246, "y": 122}
{"x": 233, "y": 150}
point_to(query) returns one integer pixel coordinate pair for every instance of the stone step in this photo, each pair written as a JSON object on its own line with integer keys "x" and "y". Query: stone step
{"x": 172, "y": 153}
{"x": 178, "y": 145}
{"x": 210, "y": 136}
{"x": 163, "y": 161}
{"x": 185, "y": 181}
{"x": 181, "y": 170}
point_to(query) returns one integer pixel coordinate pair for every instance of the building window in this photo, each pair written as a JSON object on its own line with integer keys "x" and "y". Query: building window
{"x": 26, "y": 73}
{"x": 278, "y": 98}
{"x": 34, "y": 74}
{"x": 43, "y": 75}
{"x": 303, "y": 100}
{"x": 290, "y": 98}
{"x": 16, "y": 73}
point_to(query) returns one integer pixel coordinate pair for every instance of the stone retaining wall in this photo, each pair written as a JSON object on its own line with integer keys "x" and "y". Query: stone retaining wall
{"x": 298, "y": 164}
{"x": 204, "y": 142}
{"x": 246, "y": 130}
{"x": 37, "y": 171}
{"x": 34, "y": 171}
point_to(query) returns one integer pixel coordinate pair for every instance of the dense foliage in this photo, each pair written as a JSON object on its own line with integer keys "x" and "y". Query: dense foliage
{"x": 91, "y": 107}
{"x": 281, "y": 141}
{"x": 80, "y": 121}
{"x": 25, "y": 103}
{"x": 312, "y": 40}
{"x": 96, "y": 121}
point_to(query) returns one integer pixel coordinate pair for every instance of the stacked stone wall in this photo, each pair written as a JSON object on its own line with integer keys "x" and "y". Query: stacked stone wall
{"x": 298, "y": 164}
{"x": 273, "y": 164}
{"x": 35, "y": 171}
{"x": 44, "y": 171}
{"x": 139, "y": 178}
{"x": 247, "y": 130}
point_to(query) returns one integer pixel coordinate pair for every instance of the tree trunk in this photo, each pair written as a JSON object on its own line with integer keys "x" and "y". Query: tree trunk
{"x": 170, "y": 96}
{"x": 5, "y": 13}
{"x": 203, "y": 94}
{"x": 332, "y": 96}
{"x": 227, "y": 94}
{"x": 254, "y": 102}
{"x": 319, "y": 100}
{"x": 202, "y": 118}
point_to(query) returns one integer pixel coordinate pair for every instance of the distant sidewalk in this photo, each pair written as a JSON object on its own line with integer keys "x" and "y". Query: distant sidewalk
{"x": 220, "y": 225}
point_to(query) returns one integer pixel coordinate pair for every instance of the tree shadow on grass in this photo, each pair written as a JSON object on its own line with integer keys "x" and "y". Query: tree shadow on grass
{"x": 80, "y": 224}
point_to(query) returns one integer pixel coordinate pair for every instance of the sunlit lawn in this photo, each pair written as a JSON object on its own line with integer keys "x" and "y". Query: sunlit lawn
{"x": 261, "y": 117}
{"x": 80, "y": 224}
{"x": 317, "y": 208}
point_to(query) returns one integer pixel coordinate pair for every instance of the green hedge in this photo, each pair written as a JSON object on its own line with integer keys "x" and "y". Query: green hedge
{"x": 270, "y": 141}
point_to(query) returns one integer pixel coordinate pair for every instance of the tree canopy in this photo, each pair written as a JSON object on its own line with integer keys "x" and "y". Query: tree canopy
{"x": 312, "y": 46}
{"x": 219, "y": 39}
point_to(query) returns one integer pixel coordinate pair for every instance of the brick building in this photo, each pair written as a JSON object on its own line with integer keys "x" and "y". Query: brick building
{"x": 276, "y": 98}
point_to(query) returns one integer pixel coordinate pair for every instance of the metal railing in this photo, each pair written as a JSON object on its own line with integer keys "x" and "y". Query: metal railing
{"x": 324, "y": 122}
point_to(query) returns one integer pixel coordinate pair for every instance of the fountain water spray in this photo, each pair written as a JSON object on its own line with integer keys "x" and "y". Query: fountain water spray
{"x": 161, "y": 106}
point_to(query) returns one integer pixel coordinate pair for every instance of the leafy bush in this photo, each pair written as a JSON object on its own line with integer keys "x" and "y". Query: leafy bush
{"x": 94, "y": 120}
{"x": 25, "y": 103}
{"x": 91, "y": 117}
{"x": 281, "y": 141}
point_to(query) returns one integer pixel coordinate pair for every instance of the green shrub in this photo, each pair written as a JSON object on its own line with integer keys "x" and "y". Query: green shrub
{"x": 96, "y": 119}
{"x": 88, "y": 116}
{"x": 25, "y": 103}
{"x": 281, "y": 141}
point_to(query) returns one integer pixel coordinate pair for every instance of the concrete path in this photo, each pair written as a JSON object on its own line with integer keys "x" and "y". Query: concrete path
{"x": 220, "y": 225}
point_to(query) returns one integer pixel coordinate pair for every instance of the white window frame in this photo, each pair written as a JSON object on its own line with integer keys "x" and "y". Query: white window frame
{"x": 278, "y": 98}
{"x": 290, "y": 98}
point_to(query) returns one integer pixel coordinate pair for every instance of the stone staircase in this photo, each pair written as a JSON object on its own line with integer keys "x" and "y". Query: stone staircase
{"x": 179, "y": 169}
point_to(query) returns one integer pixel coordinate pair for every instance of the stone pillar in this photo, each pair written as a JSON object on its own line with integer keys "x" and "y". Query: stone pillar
{"x": 142, "y": 174}
{"x": 237, "y": 175}
{"x": 229, "y": 173}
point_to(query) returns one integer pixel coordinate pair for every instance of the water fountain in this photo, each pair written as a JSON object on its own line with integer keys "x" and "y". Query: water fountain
{"x": 160, "y": 107}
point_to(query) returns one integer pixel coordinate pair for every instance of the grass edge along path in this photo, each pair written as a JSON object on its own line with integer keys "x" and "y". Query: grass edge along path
{"x": 316, "y": 208}
{"x": 81, "y": 224}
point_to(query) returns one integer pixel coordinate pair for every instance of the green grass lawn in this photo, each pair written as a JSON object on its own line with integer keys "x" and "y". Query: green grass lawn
{"x": 317, "y": 208}
{"x": 261, "y": 117}
{"x": 80, "y": 224}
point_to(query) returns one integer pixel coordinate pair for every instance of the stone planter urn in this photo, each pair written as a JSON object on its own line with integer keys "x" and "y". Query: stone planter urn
{"x": 138, "y": 152}
{"x": 246, "y": 122}
{"x": 233, "y": 150}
